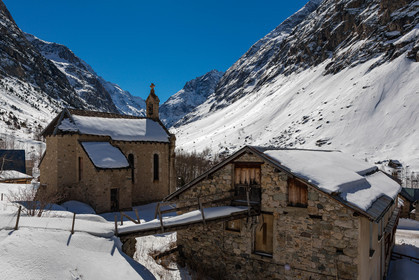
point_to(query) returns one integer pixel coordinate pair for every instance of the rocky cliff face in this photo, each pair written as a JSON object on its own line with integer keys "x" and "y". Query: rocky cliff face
{"x": 97, "y": 93}
{"x": 19, "y": 59}
{"x": 193, "y": 94}
{"x": 38, "y": 79}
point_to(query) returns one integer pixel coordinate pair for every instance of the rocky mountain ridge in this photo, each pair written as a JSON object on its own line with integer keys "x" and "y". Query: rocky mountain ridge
{"x": 193, "y": 94}
{"x": 97, "y": 93}
{"x": 345, "y": 32}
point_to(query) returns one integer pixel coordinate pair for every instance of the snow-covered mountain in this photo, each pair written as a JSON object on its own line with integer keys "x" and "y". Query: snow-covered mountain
{"x": 32, "y": 89}
{"x": 193, "y": 94}
{"x": 97, "y": 93}
{"x": 38, "y": 79}
{"x": 125, "y": 102}
{"x": 337, "y": 75}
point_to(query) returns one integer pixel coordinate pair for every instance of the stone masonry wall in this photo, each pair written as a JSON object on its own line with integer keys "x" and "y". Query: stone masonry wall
{"x": 319, "y": 241}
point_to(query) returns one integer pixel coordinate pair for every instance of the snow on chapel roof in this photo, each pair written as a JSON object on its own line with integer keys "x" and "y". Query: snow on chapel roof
{"x": 118, "y": 127}
{"x": 104, "y": 155}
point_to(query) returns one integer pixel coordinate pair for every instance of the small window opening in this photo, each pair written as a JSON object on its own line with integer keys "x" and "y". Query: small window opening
{"x": 156, "y": 167}
{"x": 80, "y": 168}
{"x": 131, "y": 164}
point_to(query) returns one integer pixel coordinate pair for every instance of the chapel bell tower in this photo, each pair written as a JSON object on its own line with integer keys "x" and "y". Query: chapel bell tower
{"x": 152, "y": 104}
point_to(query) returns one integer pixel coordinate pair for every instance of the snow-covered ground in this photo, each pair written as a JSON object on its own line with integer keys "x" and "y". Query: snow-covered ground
{"x": 407, "y": 243}
{"x": 44, "y": 248}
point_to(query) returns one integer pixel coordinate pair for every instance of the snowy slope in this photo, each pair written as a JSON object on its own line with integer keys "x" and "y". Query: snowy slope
{"x": 366, "y": 106}
{"x": 193, "y": 94}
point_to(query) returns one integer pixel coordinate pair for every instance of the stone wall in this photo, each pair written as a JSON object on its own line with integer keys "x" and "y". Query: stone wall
{"x": 320, "y": 241}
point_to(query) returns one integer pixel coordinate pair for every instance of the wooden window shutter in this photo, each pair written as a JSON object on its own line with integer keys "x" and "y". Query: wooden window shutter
{"x": 264, "y": 235}
{"x": 247, "y": 174}
{"x": 297, "y": 193}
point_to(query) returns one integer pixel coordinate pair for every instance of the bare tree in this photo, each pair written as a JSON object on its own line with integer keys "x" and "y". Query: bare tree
{"x": 34, "y": 200}
{"x": 191, "y": 165}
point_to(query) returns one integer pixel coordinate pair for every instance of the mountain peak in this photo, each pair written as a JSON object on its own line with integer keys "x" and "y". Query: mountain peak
{"x": 194, "y": 93}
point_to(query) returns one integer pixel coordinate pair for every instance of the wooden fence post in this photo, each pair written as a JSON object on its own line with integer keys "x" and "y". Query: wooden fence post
{"x": 122, "y": 219}
{"x": 138, "y": 216}
{"x": 116, "y": 225}
{"x": 161, "y": 220}
{"x": 157, "y": 209}
{"x": 72, "y": 226}
{"x": 1, "y": 196}
{"x": 18, "y": 217}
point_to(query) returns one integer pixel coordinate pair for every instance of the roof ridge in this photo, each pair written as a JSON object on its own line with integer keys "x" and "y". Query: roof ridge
{"x": 267, "y": 148}
{"x": 88, "y": 113}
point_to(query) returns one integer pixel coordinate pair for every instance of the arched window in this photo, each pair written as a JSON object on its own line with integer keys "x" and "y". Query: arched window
{"x": 156, "y": 167}
{"x": 131, "y": 164}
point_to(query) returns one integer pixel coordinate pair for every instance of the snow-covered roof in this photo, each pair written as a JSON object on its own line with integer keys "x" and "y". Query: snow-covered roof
{"x": 117, "y": 128}
{"x": 104, "y": 155}
{"x": 355, "y": 182}
{"x": 13, "y": 175}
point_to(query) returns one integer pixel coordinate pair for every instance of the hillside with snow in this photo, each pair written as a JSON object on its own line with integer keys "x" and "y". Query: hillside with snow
{"x": 336, "y": 75}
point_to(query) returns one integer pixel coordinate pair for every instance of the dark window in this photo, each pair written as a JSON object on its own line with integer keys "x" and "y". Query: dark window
{"x": 156, "y": 167}
{"x": 114, "y": 199}
{"x": 150, "y": 109}
{"x": 131, "y": 164}
{"x": 297, "y": 193}
{"x": 80, "y": 168}
{"x": 264, "y": 235}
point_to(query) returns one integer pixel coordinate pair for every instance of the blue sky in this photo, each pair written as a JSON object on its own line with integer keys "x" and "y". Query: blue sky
{"x": 133, "y": 42}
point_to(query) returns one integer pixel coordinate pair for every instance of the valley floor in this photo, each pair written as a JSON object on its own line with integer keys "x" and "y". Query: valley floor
{"x": 44, "y": 248}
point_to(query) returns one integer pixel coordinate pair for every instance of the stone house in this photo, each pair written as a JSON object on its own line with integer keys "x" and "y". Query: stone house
{"x": 109, "y": 161}
{"x": 323, "y": 215}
